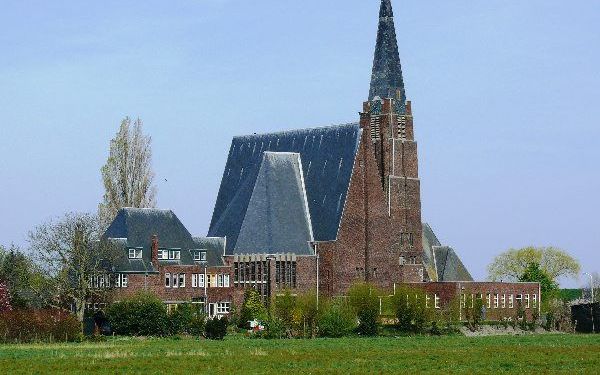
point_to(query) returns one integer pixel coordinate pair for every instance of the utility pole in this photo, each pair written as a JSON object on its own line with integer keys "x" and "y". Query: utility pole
{"x": 592, "y": 302}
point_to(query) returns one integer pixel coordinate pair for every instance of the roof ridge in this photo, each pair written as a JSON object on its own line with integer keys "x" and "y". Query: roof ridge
{"x": 297, "y": 130}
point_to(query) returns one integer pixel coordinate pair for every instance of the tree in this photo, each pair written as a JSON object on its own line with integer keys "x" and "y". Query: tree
{"x": 71, "y": 253}
{"x": 364, "y": 300}
{"x": 511, "y": 265}
{"x": 253, "y": 308}
{"x": 4, "y": 298}
{"x": 533, "y": 273}
{"x": 26, "y": 282}
{"x": 127, "y": 174}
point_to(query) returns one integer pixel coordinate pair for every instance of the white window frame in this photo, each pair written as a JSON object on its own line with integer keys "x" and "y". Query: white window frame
{"x": 124, "y": 280}
{"x": 135, "y": 253}
{"x": 223, "y": 308}
{"x": 511, "y": 301}
{"x": 194, "y": 280}
{"x": 220, "y": 280}
{"x": 163, "y": 254}
{"x": 488, "y": 298}
{"x": 504, "y": 301}
{"x": 527, "y": 302}
{"x": 535, "y": 301}
{"x": 496, "y": 300}
{"x": 201, "y": 280}
{"x": 182, "y": 280}
{"x": 226, "y": 281}
{"x": 167, "y": 280}
{"x": 436, "y": 301}
{"x": 427, "y": 299}
{"x": 175, "y": 280}
{"x": 174, "y": 254}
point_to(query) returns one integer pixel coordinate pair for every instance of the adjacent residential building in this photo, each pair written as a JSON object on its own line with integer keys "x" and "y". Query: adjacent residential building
{"x": 313, "y": 209}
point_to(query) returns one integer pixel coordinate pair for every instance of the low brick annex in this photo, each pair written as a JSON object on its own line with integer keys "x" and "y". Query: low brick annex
{"x": 315, "y": 210}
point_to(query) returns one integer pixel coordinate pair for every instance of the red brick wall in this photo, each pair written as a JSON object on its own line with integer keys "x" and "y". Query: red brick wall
{"x": 450, "y": 292}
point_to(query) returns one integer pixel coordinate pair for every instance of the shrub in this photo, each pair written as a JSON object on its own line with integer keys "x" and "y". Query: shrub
{"x": 412, "y": 312}
{"x": 336, "y": 320}
{"x": 215, "y": 328}
{"x": 275, "y": 328}
{"x": 4, "y": 298}
{"x": 141, "y": 315}
{"x": 186, "y": 319}
{"x": 364, "y": 301}
{"x": 284, "y": 308}
{"x": 253, "y": 308}
{"x": 38, "y": 326}
{"x": 306, "y": 314}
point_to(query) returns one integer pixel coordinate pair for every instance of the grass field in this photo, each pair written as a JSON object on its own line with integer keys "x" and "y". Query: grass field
{"x": 450, "y": 354}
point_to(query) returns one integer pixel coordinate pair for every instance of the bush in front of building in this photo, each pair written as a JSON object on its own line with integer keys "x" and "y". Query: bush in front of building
{"x": 253, "y": 308}
{"x": 187, "y": 319}
{"x": 336, "y": 319}
{"x": 215, "y": 328}
{"x": 412, "y": 310}
{"x": 22, "y": 326}
{"x": 143, "y": 314}
{"x": 363, "y": 298}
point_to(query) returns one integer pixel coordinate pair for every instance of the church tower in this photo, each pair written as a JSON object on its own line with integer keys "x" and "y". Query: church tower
{"x": 387, "y": 119}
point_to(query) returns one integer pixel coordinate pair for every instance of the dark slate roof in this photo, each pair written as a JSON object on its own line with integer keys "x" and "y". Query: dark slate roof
{"x": 449, "y": 266}
{"x": 277, "y": 220}
{"x": 215, "y": 249}
{"x": 442, "y": 262}
{"x": 327, "y": 155}
{"x": 429, "y": 241}
{"x": 134, "y": 228}
{"x": 386, "y": 77}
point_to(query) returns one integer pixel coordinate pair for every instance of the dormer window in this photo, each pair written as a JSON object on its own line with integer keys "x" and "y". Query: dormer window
{"x": 174, "y": 254}
{"x": 199, "y": 255}
{"x": 166, "y": 254}
{"x": 135, "y": 253}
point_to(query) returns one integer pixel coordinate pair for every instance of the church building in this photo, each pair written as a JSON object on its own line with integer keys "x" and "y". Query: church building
{"x": 314, "y": 209}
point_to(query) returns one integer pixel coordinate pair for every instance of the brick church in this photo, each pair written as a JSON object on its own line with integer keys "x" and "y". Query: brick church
{"x": 311, "y": 210}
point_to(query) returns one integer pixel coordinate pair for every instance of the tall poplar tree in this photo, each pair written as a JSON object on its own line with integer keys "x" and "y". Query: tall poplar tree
{"x": 127, "y": 175}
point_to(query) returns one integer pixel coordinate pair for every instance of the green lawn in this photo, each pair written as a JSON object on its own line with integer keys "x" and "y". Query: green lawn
{"x": 454, "y": 354}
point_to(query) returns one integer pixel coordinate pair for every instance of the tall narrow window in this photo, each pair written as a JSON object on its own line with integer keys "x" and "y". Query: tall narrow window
{"x": 124, "y": 280}
{"x": 201, "y": 281}
{"x": 496, "y": 300}
{"x": 167, "y": 280}
{"x": 527, "y": 301}
{"x": 511, "y": 302}
{"x": 489, "y": 300}
{"x": 436, "y": 301}
{"x": 226, "y": 281}
{"x": 194, "y": 280}
{"x": 534, "y": 301}
{"x": 182, "y": 280}
{"x": 504, "y": 301}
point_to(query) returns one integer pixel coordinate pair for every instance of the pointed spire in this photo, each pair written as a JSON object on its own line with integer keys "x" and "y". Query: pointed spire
{"x": 386, "y": 79}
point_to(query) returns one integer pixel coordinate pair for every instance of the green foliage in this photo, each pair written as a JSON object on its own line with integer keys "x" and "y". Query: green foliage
{"x": 253, "y": 308}
{"x": 474, "y": 315}
{"x": 336, "y": 319}
{"x": 186, "y": 319}
{"x": 306, "y": 314}
{"x": 512, "y": 264}
{"x": 275, "y": 328}
{"x": 28, "y": 286}
{"x": 569, "y": 294}
{"x": 141, "y": 315}
{"x": 215, "y": 328}
{"x": 284, "y": 308}
{"x": 364, "y": 300}
{"x": 533, "y": 273}
{"x": 410, "y": 307}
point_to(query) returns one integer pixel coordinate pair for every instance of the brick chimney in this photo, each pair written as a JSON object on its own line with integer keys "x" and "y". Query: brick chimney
{"x": 154, "y": 252}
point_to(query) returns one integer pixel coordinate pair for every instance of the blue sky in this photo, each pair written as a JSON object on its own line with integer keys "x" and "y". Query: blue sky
{"x": 505, "y": 96}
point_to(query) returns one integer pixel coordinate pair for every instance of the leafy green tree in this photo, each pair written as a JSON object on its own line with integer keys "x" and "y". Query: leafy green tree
{"x": 143, "y": 314}
{"x": 336, "y": 319}
{"x": 533, "y": 273}
{"x": 512, "y": 264}
{"x": 253, "y": 308}
{"x": 412, "y": 312}
{"x": 364, "y": 300}
{"x": 28, "y": 285}
{"x": 4, "y": 298}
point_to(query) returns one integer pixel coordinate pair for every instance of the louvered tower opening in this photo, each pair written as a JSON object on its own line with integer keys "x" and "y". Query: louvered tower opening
{"x": 375, "y": 128}
{"x": 402, "y": 127}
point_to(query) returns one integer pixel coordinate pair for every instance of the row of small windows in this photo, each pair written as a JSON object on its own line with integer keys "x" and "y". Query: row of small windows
{"x": 407, "y": 238}
{"x": 177, "y": 280}
{"x": 412, "y": 260}
{"x": 105, "y": 281}
{"x": 498, "y": 301}
{"x": 166, "y": 254}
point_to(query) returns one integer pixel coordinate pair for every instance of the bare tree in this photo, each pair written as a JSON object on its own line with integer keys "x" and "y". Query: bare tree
{"x": 127, "y": 175}
{"x": 70, "y": 252}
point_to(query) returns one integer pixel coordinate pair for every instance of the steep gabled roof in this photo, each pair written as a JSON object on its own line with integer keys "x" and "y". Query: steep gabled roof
{"x": 277, "y": 219}
{"x": 386, "y": 78}
{"x": 327, "y": 157}
{"x": 134, "y": 228}
{"x": 449, "y": 266}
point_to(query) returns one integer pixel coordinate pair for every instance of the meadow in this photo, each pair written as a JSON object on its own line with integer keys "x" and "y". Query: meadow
{"x": 446, "y": 354}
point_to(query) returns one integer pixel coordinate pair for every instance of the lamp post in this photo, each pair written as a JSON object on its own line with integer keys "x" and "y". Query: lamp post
{"x": 591, "y": 284}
